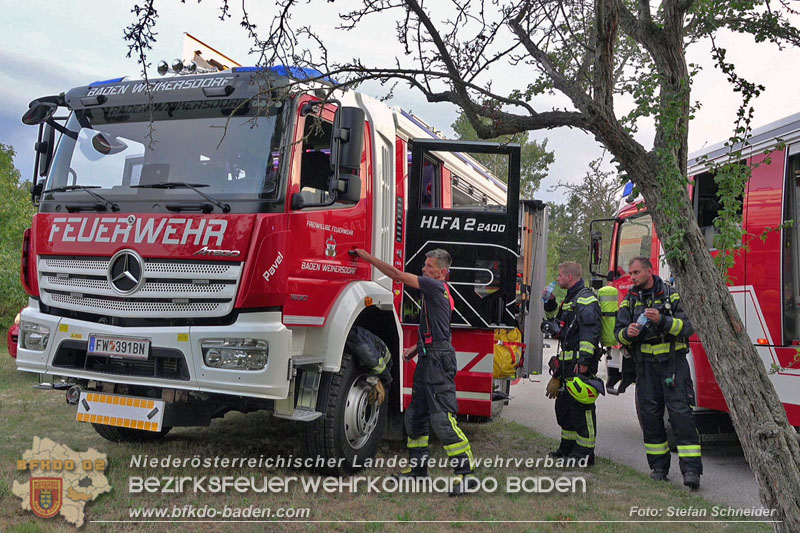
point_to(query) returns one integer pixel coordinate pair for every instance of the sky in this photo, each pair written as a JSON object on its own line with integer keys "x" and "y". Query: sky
{"x": 50, "y": 47}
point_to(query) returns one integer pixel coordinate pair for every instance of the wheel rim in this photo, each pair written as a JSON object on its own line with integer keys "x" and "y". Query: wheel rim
{"x": 360, "y": 416}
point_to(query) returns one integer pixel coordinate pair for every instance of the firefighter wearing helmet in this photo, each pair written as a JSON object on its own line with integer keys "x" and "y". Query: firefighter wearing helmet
{"x": 576, "y": 323}
{"x": 652, "y": 324}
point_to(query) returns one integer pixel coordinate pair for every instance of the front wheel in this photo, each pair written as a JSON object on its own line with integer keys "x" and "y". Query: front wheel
{"x": 350, "y": 428}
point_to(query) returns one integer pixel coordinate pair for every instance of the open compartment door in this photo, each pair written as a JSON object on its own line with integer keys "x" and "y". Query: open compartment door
{"x": 458, "y": 204}
{"x": 533, "y": 246}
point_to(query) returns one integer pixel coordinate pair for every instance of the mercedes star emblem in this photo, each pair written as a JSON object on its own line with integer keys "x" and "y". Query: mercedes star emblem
{"x": 125, "y": 272}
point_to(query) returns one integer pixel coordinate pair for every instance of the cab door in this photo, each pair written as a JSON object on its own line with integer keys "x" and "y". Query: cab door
{"x": 321, "y": 232}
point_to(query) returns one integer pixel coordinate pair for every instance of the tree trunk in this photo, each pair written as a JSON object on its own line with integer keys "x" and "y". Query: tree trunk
{"x": 767, "y": 439}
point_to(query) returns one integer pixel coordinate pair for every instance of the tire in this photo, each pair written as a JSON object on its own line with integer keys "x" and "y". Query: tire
{"x": 118, "y": 434}
{"x": 350, "y": 428}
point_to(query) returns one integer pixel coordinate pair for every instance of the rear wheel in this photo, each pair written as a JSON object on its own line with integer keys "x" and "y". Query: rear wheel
{"x": 350, "y": 427}
{"x": 118, "y": 434}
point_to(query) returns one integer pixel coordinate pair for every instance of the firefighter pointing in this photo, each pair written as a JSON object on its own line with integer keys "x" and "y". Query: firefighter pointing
{"x": 652, "y": 323}
{"x": 574, "y": 385}
{"x": 433, "y": 397}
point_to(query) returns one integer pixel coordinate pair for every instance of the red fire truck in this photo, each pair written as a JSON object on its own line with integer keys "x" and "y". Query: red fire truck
{"x": 765, "y": 279}
{"x": 190, "y": 255}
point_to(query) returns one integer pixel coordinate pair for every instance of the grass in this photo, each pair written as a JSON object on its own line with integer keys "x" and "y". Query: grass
{"x": 611, "y": 489}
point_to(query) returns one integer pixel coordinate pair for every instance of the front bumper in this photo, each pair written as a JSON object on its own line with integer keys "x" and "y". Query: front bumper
{"x": 68, "y": 337}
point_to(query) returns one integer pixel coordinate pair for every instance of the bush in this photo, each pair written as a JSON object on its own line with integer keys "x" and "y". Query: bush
{"x": 15, "y": 216}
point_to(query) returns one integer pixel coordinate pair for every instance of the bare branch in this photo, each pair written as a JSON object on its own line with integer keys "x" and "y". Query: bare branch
{"x": 141, "y": 36}
{"x": 580, "y": 99}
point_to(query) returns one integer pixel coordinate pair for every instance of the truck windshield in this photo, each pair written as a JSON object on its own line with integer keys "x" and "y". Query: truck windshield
{"x": 635, "y": 239}
{"x": 223, "y": 146}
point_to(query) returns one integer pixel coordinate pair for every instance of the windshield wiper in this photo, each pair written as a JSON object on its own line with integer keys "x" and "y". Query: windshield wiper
{"x": 104, "y": 202}
{"x": 183, "y": 185}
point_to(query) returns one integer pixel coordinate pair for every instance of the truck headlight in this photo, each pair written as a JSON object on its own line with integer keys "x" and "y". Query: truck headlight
{"x": 33, "y": 336}
{"x": 235, "y": 354}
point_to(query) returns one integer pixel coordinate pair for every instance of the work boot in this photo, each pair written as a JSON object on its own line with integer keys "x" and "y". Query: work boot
{"x": 692, "y": 480}
{"x": 624, "y": 385}
{"x": 408, "y": 472}
{"x": 577, "y": 457}
{"x": 659, "y": 474}
{"x": 464, "y": 484}
{"x": 557, "y": 454}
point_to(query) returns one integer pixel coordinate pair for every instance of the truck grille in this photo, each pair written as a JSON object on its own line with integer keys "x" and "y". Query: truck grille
{"x": 170, "y": 288}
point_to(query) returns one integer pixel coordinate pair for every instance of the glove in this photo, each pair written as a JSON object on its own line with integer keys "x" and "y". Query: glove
{"x": 553, "y": 386}
{"x": 553, "y": 364}
{"x": 377, "y": 393}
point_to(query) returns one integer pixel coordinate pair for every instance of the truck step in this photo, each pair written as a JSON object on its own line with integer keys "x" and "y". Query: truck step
{"x": 300, "y": 415}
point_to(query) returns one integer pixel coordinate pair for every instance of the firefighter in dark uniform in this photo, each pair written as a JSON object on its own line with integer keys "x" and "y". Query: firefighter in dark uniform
{"x": 651, "y": 322}
{"x": 433, "y": 396}
{"x": 578, "y": 319}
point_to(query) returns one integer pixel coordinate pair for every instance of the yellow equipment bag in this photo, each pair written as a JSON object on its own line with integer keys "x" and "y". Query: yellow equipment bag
{"x": 507, "y": 352}
{"x": 609, "y": 305}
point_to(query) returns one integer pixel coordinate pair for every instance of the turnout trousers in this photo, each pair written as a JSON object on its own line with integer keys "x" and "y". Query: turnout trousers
{"x": 653, "y": 394}
{"x": 578, "y": 424}
{"x": 433, "y": 405}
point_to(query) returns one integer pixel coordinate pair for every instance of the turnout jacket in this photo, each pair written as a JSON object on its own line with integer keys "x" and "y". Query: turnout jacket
{"x": 579, "y": 316}
{"x": 371, "y": 353}
{"x": 655, "y": 339}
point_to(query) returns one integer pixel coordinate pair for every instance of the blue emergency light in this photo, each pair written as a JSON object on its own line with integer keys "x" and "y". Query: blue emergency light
{"x": 628, "y": 188}
{"x": 106, "y": 82}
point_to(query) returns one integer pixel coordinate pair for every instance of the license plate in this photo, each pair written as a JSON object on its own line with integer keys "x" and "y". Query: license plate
{"x": 131, "y": 412}
{"x": 122, "y": 347}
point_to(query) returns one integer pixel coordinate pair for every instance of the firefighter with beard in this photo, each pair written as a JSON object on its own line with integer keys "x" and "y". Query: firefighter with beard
{"x": 433, "y": 396}
{"x": 574, "y": 384}
{"x": 652, "y": 324}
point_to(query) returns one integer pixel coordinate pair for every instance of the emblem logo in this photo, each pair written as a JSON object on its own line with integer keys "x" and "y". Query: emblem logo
{"x": 46, "y": 495}
{"x": 205, "y": 250}
{"x": 330, "y": 247}
{"x": 125, "y": 272}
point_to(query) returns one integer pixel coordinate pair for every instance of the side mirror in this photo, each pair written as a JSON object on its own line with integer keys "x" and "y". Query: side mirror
{"x": 39, "y": 113}
{"x": 45, "y": 148}
{"x": 348, "y": 138}
{"x": 36, "y": 192}
{"x": 346, "y": 148}
{"x": 596, "y": 247}
{"x": 348, "y": 189}
{"x": 298, "y": 202}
